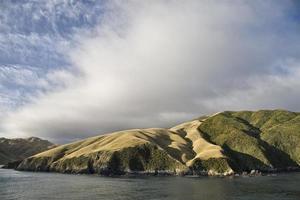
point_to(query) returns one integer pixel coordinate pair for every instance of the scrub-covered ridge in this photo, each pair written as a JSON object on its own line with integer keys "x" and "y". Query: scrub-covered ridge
{"x": 221, "y": 144}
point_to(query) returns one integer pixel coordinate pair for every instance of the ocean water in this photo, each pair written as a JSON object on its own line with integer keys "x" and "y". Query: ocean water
{"x": 43, "y": 186}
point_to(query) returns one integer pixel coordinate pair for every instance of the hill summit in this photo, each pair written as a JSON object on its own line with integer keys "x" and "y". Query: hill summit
{"x": 221, "y": 144}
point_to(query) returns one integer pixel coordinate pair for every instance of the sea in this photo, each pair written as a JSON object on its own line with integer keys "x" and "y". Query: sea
{"x": 44, "y": 186}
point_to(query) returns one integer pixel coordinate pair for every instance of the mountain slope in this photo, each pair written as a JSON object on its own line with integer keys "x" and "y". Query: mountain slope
{"x": 248, "y": 138}
{"x": 217, "y": 144}
{"x": 18, "y": 149}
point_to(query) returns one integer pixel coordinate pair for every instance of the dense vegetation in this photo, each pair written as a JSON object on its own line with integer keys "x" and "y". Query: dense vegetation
{"x": 256, "y": 140}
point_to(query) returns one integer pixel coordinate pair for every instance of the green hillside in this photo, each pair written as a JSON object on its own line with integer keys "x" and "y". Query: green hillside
{"x": 221, "y": 144}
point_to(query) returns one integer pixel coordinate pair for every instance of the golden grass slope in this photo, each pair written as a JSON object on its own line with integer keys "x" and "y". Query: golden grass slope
{"x": 182, "y": 143}
{"x": 216, "y": 144}
{"x": 169, "y": 141}
{"x": 202, "y": 149}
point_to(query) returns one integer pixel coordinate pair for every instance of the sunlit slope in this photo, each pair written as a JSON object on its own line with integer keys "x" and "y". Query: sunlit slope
{"x": 136, "y": 150}
{"x": 153, "y": 149}
{"x": 217, "y": 144}
{"x": 202, "y": 149}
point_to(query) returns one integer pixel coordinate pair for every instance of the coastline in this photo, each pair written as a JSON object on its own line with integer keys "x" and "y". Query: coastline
{"x": 162, "y": 173}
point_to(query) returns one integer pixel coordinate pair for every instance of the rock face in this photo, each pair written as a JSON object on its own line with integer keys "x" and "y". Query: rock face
{"x": 17, "y": 149}
{"x": 221, "y": 144}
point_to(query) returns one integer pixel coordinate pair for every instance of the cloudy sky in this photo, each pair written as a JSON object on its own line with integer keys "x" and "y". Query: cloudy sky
{"x": 72, "y": 69}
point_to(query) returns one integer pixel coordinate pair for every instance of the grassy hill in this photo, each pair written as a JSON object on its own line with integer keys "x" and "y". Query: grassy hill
{"x": 223, "y": 143}
{"x": 18, "y": 149}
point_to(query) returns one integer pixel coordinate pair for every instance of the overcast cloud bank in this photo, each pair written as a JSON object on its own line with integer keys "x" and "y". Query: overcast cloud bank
{"x": 157, "y": 63}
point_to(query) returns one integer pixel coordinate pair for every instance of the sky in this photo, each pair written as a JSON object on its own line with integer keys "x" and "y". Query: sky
{"x": 73, "y": 69}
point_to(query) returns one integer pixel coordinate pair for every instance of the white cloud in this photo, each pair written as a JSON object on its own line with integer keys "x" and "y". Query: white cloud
{"x": 156, "y": 63}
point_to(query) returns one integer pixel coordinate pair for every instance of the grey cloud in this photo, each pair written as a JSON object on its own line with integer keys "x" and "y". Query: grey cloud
{"x": 156, "y": 64}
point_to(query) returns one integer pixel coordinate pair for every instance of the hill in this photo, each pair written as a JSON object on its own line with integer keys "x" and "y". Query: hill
{"x": 18, "y": 148}
{"x": 221, "y": 144}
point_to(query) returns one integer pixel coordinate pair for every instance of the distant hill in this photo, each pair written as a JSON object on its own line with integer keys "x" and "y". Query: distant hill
{"x": 221, "y": 144}
{"x": 18, "y": 149}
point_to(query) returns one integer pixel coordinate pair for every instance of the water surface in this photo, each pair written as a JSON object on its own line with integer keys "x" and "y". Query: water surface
{"x": 28, "y": 185}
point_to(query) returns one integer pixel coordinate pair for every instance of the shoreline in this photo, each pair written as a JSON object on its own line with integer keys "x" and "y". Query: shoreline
{"x": 252, "y": 173}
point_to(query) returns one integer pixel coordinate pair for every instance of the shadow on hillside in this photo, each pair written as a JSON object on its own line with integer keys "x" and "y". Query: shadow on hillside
{"x": 164, "y": 141}
{"x": 277, "y": 158}
{"x": 243, "y": 162}
{"x": 253, "y": 132}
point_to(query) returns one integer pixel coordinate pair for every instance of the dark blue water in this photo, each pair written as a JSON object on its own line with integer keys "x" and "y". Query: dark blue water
{"x": 27, "y": 185}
